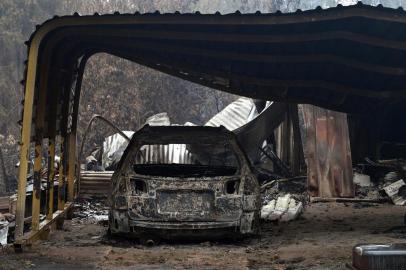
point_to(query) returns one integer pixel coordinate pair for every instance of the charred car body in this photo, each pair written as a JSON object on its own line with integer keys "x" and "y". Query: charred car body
{"x": 181, "y": 180}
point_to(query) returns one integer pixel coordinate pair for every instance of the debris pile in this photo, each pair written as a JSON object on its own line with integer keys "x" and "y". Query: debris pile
{"x": 4, "y": 224}
{"x": 397, "y": 192}
{"x": 90, "y": 212}
{"x": 7, "y": 226}
{"x": 283, "y": 199}
{"x": 380, "y": 180}
{"x": 7, "y": 220}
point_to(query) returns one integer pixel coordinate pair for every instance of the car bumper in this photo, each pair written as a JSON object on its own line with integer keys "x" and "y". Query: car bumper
{"x": 184, "y": 225}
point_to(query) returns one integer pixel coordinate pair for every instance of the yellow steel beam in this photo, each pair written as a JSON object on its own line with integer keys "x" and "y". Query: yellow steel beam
{"x": 25, "y": 140}
{"x": 39, "y": 125}
{"x": 71, "y": 165}
{"x": 51, "y": 178}
{"x": 61, "y": 178}
{"x": 36, "y": 193}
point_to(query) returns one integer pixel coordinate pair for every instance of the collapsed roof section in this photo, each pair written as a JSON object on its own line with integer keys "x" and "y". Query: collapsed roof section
{"x": 345, "y": 58}
{"x": 234, "y": 115}
{"x": 241, "y": 117}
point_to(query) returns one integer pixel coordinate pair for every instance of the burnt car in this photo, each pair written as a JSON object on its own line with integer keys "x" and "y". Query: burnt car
{"x": 178, "y": 181}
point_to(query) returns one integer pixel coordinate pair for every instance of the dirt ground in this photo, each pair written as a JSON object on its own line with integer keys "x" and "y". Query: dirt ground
{"x": 321, "y": 239}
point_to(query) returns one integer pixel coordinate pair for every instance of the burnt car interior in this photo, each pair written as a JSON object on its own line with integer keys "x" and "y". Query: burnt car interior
{"x": 184, "y": 170}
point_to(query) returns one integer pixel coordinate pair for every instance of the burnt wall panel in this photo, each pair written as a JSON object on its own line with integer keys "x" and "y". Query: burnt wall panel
{"x": 327, "y": 152}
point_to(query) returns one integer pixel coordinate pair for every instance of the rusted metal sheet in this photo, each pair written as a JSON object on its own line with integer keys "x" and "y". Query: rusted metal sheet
{"x": 327, "y": 152}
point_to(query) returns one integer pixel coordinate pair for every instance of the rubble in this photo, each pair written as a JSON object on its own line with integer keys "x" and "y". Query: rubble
{"x": 283, "y": 199}
{"x": 393, "y": 192}
{"x": 3, "y": 232}
{"x": 362, "y": 180}
{"x": 296, "y": 187}
{"x": 380, "y": 181}
{"x": 90, "y": 212}
{"x": 4, "y": 224}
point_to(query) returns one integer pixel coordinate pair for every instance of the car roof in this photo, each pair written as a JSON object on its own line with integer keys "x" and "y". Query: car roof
{"x": 182, "y": 135}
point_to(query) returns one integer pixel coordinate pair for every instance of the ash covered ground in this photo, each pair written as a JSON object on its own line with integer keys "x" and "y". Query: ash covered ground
{"x": 321, "y": 238}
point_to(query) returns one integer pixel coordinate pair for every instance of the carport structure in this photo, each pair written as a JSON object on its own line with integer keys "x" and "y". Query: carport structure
{"x": 350, "y": 59}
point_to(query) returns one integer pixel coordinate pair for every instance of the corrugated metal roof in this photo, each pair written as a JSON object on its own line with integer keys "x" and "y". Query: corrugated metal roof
{"x": 235, "y": 115}
{"x": 252, "y": 135}
{"x": 159, "y": 119}
{"x": 240, "y": 116}
{"x": 344, "y": 58}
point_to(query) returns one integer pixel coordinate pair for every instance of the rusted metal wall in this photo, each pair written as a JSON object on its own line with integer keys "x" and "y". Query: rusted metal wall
{"x": 327, "y": 152}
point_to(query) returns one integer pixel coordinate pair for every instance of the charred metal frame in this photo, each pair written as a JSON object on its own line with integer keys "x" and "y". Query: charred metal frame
{"x": 242, "y": 208}
{"x": 282, "y": 57}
